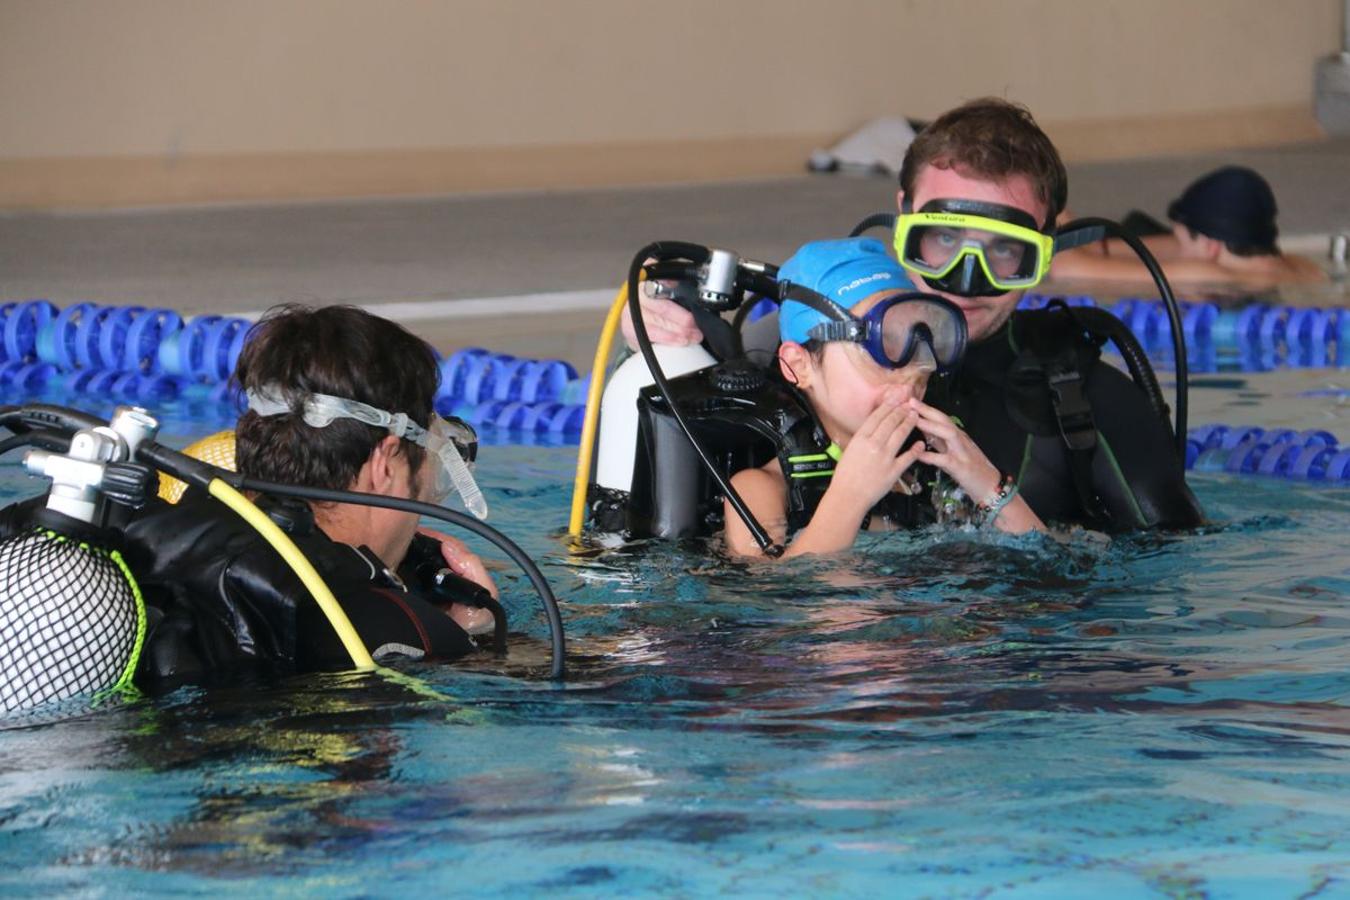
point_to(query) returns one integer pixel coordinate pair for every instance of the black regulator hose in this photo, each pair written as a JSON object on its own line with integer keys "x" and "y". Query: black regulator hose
{"x": 46, "y": 416}
{"x": 54, "y": 441}
{"x": 1099, "y": 321}
{"x": 876, "y": 220}
{"x": 198, "y": 473}
{"x": 662, "y": 251}
{"x": 751, "y": 301}
{"x": 1093, "y": 228}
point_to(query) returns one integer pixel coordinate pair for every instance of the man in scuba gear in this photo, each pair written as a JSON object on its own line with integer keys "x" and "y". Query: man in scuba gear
{"x": 339, "y": 399}
{"x": 980, "y": 190}
{"x": 859, "y": 347}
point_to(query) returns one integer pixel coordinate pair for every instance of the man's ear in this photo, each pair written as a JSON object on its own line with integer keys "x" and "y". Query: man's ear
{"x": 1209, "y": 247}
{"x": 795, "y": 363}
{"x": 380, "y": 465}
{"x": 899, "y": 200}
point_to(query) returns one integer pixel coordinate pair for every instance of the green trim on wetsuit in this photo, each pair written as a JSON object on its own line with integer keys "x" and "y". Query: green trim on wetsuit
{"x": 1026, "y": 459}
{"x": 1104, "y": 444}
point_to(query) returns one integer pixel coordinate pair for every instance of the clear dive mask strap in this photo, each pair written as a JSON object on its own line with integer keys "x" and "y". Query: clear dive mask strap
{"x": 456, "y": 468}
{"x": 321, "y": 410}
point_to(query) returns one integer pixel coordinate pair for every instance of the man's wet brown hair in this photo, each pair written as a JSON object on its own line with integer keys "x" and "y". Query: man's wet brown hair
{"x": 992, "y": 140}
{"x": 339, "y": 350}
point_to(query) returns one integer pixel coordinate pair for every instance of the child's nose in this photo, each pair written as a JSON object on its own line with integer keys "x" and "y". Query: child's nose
{"x": 898, "y": 393}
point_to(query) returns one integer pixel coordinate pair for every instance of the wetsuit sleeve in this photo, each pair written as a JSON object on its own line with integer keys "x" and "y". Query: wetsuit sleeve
{"x": 1136, "y": 472}
{"x": 391, "y": 623}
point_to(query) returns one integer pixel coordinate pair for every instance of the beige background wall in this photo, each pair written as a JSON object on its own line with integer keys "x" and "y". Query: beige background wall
{"x": 141, "y": 101}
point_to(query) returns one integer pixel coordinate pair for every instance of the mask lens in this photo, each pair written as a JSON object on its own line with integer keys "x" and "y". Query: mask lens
{"x": 936, "y": 246}
{"x": 934, "y": 249}
{"x": 454, "y": 445}
{"x": 911, "y": 321}
{"x": 458, "y": 432}
{"x": 1008, "y": 258}
{"x": 442, "y": 485}
{"x": 447, "y": 438}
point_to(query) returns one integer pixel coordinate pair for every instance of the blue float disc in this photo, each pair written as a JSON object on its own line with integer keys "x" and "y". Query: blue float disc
{"x": 23, "y": 323}
{"x": 149, "y": 330}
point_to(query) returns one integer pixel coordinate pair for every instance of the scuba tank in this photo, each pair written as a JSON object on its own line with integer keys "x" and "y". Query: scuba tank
{"x": 722, "y": 279}
{"x": 617, "y": 443}
{"x": 72, "y": 619}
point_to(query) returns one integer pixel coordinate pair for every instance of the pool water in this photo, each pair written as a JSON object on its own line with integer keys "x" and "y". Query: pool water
{"x": 934, "y": 714}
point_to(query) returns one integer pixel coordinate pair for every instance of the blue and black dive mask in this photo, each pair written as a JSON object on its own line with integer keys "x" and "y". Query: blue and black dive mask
{"x": 899, "y": 330}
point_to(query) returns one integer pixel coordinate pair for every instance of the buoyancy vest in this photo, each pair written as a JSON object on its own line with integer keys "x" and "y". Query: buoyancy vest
{"x": 1082, "y": 440}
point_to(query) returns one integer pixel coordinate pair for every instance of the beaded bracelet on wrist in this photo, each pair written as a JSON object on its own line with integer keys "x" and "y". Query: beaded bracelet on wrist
{"x": 992, "y": 506}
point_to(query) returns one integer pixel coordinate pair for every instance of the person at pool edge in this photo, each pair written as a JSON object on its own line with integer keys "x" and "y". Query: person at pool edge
{"x": 1087, "y": 449}
{"x": 339, "y": 399}
{"x": 1223, "y": 230}
{"x": 864, "y": 379}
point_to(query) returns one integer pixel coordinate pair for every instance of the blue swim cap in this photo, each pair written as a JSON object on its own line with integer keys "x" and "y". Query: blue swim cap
{"x": 845, "y": 271}
{"x": 1233, "y": 204}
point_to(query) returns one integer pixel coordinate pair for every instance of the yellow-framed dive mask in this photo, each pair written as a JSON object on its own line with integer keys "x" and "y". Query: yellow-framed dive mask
{"x": 971, "y": 248}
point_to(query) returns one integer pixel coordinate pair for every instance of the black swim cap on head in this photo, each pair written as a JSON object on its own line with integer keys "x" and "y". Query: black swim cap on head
{"x": 1233, "y": 204}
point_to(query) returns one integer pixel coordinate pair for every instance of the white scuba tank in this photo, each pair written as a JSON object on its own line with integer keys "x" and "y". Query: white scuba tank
{"x": 618, "y": 409}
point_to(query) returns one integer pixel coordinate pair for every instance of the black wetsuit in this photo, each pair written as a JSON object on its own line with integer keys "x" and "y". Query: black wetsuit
{"x": 220, "y": 598}
{"x": 1131, "y": 479}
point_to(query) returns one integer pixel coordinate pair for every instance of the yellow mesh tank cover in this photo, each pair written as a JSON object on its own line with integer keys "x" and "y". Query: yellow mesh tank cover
{"x": 216, "y": 449}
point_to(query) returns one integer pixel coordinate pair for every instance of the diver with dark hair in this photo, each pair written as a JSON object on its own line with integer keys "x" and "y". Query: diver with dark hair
{"x": 338, "y": 399}
{"x": 1222, "y": 229}
{"x": 981, "y": 189}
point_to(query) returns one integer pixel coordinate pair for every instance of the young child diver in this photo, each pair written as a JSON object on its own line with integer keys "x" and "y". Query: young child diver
{"x": 860, "y": 345}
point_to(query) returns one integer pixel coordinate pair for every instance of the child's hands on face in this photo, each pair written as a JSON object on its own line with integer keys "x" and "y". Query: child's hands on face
{"x": 952, "y": 450}
{"x": 870, "y": 466}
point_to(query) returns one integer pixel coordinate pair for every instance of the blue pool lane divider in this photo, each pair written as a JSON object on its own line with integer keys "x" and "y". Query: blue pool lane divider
{"x": 149, "y": 356}
{"x": 1257, "y": 337}
{"x": 543, "y": 399}
{"x": 1309, "y": 455}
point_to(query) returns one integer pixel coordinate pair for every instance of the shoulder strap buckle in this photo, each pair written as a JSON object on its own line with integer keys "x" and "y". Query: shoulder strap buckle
{"x": 1072, "y": 409}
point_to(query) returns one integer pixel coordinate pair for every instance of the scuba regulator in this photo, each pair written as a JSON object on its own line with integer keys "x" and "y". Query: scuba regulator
{"x": 722, "y": 279}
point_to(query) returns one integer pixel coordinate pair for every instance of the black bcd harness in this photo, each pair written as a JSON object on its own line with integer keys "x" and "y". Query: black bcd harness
{"x": 1047, "y": 390}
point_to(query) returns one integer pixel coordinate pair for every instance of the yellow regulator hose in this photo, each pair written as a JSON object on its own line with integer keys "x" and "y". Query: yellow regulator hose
{"x": 282, "y": 543}
{"x": 588, "y": 426}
